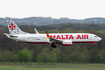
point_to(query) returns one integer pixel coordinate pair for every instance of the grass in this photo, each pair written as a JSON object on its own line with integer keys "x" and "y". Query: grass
{"x": 49, "y": 66}
{"x": 24, "y": 68}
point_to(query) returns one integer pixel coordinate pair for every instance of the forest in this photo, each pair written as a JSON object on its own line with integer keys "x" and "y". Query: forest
{"x": 13, "y": 51}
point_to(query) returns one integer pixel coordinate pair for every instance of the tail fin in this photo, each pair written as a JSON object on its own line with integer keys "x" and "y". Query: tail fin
{"x": 13, "y": 28}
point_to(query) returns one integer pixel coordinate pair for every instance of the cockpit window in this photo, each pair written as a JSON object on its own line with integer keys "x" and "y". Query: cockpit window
{"x": 95, "y": 36}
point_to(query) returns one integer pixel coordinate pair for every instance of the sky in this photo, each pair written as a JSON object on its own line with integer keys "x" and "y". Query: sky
{"x": 72, "y": 9}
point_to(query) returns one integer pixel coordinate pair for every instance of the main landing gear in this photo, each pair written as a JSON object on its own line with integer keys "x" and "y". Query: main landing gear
{"x": 53, "y": 45}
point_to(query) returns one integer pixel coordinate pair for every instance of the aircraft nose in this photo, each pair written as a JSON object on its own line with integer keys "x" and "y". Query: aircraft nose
{"x": 100, "y": 38}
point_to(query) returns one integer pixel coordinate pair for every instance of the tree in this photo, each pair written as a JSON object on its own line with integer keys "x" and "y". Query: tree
{"x": 68, "y": 30}
{"x": 45, "y": 54}
{"x": 102, "y": 55}
{"x": 15, "y": 58}
{"x": 53, "y": 57}
{"x": 1, "y": 57}
{"x": 39, "y": 59}
{"x": 58, "y": 53}
{"x": 24, "y": 56}
{"x": 85, "y": 56}
{"x": 7, "y": 56}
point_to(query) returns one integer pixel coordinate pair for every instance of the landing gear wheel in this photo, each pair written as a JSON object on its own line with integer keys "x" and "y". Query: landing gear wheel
{"x": 53, "y": 45}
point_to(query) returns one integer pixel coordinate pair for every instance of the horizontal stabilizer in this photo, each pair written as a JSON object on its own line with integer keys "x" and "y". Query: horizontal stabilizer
{"x": 8, "y": 35}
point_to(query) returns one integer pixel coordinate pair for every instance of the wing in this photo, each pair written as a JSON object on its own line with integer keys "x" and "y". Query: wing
{"x": 52, "y": 40}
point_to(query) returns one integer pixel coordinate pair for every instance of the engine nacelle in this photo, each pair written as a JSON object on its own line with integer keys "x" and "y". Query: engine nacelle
{"x": 67, "y": 43}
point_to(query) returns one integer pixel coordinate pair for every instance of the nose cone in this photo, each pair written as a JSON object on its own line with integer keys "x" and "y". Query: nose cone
{"x": 100, "y": 38}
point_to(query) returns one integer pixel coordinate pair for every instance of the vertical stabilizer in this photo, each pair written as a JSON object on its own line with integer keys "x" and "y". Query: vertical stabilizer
{"x": 13, "y": 28}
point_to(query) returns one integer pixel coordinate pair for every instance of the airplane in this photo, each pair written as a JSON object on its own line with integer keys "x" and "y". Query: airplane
{"x": 65, "y": 39}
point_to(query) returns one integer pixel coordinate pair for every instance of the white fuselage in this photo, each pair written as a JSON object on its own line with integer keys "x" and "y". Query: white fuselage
{"x": 74, "y": 37}
{"x": 65, "y": 39}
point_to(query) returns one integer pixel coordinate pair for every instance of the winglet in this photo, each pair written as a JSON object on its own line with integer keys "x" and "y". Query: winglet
{"x": 47, "y": 35}
{"x": 36, "y": 31}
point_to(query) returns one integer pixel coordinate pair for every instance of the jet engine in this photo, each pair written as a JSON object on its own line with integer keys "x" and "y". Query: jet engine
{"x": 67, "y": 43}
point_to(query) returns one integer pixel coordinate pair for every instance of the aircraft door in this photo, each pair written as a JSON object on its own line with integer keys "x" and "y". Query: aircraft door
{"x": 90, "y": 37}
